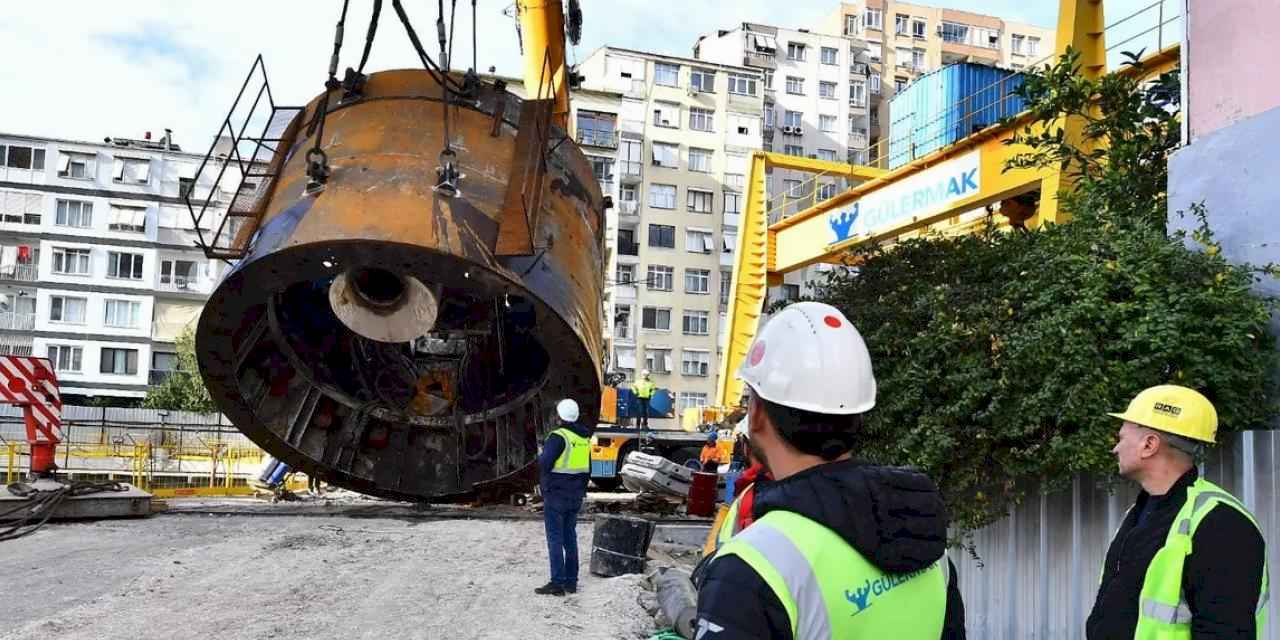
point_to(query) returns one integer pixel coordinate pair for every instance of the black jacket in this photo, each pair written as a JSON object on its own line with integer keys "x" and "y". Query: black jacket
{"x": 893, "y": 517}
{"x": 561, "y": 490}
{"x": 1221, "y": 577}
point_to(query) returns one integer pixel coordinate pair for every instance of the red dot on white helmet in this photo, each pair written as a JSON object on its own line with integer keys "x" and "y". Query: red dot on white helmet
{"x": 832, "y": 322}
{"x": 757, "y": 353}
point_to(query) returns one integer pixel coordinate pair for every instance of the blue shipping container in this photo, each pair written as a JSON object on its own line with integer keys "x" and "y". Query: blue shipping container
{"x": 947, "y": 105}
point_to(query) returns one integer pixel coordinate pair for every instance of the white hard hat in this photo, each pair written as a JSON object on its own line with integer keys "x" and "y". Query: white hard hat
{"x": 567, "y": 410}
{"x": 809, "y": 356}
{"x": 644, "y": 373}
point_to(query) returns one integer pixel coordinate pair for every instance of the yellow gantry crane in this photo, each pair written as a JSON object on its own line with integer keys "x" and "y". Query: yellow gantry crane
{"x": 930, "y": 192}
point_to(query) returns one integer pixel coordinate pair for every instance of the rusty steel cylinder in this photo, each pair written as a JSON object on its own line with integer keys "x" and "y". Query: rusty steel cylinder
{"x": 394, "y": 338}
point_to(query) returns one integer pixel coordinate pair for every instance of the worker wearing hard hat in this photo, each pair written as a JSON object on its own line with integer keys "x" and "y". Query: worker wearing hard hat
{"x": 1188, "y": 560}
{"x": 565, "y": 464}
{"x": 643, "y": 389}
{"x": 839, "y": 549}
{"x": 710, "y": 456}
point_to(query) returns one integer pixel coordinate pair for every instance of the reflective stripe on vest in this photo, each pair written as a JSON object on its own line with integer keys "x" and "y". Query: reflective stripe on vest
{"x": 829, "y": 590}
{"x": 1163, "y": 612}
{"x": 576, "y": 457}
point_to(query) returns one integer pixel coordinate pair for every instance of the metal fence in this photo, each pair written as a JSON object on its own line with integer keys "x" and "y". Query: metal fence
{"x": 1036, "y": 572}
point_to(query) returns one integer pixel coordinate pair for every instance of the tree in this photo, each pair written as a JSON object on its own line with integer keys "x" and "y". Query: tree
{"x": 999, "y": 354}
{"x": 184, "y": 389}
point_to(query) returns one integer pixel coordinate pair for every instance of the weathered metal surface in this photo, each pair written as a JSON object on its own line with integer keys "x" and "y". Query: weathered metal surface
{"x": 460, "y": 414}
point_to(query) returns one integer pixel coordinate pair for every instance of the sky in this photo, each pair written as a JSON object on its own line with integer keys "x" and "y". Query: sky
{"x": 88, "y": 69}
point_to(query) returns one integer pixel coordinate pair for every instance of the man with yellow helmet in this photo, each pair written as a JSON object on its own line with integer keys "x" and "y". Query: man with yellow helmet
{"x": 1188, "y": 560}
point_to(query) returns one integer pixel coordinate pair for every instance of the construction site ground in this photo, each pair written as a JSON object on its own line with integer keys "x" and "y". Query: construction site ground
{"x": 344, "y": 568}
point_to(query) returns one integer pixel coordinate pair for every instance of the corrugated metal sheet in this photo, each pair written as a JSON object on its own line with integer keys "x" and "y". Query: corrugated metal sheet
{"x": 1036, "y": 572}
{"x": 949, "y": 104}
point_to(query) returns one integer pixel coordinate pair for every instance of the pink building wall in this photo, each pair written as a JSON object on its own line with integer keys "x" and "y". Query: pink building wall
{"x": 1234, "y": 72}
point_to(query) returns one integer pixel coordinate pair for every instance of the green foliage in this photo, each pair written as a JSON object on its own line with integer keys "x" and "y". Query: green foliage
{"x": 184, "y": 389}
{"x": 999, "y": 354}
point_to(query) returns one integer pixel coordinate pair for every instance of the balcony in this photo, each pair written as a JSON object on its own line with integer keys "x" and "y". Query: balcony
{"x": 726, "y": 259}
{"x": 858, "y": 103}
{"x": 179, "y": 284}
{"x": 20, "y": 272}
{"x": 598, "y": 138}
{"x": 17, "y": 321}
{"x": 626, "y": 291}
{"x": 159, "y": 376}
{"x": 859, "y": 69}
{"x": 623, "y": 332}
{"x": 731, "y": 219}
{"x": 763, "y": 59}
{"x": 628, "y": 208}
{"x": 628, "y": 248}
{"x": 858, "y": 139}
{"x": 631, "y": 171}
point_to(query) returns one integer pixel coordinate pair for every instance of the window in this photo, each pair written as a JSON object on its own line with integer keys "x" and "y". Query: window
{"x": 666, "y": 114}
{"x": 730, "y": 242}
{"x": 795, "y": 51}
{"x": 74, "y": 213}
{"x": 829, "y": 55}
{"x": 735, "y": 181}
{"x": 875, "y": 118}
{"x": 666, "y": 155}
{"x": 827, "y": 190}
{"x": 827, "y": 123}
{"x": 873, "y": 19}
{"x": 655, "y": 318}
{"x": 899, "y": 84}
{"x": 770, "y": 118}
{"x": 699, "y": 201}
{"x": 992, "y": 38}
{"x": 80, "y": 166}
{"x": 792, "y": 188}
{"x": 874, "y": 81}
{"x": 661, "y": 277}
{"x": 659, "y": 360}
{"x": 22, "y": 157}
{"x": 874, "y": 51}
{"x": 858, "y": 94}
{"x": 696, "y": 241}
{"x": 702, "y": 119}
{"x": 955, "y": 32}
{"x": 917, "y": 59}
{"x": 768, "y": 79}
{"x": 827, "y": 154}
{"x": 629, "y": 193}
{"x": 852, "y": 26}
{"x": 918, "y": 28}
{"x": 732, "y": 202}
{"x": 900, "y": 23}
{"x": 65, "y": 358}
{"x": 625, "y": 356}
{"x": 793, "y": 119}
{"x": 1017, "y": 43}
{"x": 726, "y": 286}
{"x": 793, "y": 150}
{"x": 703, "y": 80}
{"x": 626, "y": 273}
{"x": 185, "y": 186}
{"x": 667, "y": 75}
{"x": 698, "y": 280}
{"x": 135, "y": 170}
{"x": 662, "y": 196}
{"x": 790, "y": 292}
{"x": 692, "y": 400}
{"x": 700, "y": 160}
{"x": 742, "y": 85}
{"x": 743, "y": 125}
{"x": 1033, "y": 46}
{"x": 180, "y": 274}
{"x": 71, "y": 262}
{"x": 696, "y": 363}
{"x": 827, "y": 90}
{"x": 67, "y": 309}
{"x": 601, "y": 168}
{"x": 133, "y": 219}
{"x": 161, "y": 361}
{"x": 795, "y": 85}
{"x": 20, "y": 207}
{"x": 119, "y": 361}
{"x": 662, "y": 235}
{"x": 627, "y": 244}
{"x": 903, "y": 56}
{"x": 122, "y": 314}
{"x": 124, "y": 265}
{"x": 695, "y": 323}
{"x": 597, "y": 129}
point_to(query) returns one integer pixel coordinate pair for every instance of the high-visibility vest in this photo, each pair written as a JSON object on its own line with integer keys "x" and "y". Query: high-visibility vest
{"x": 576, "y": 457}
{"x": 729, "y": 528}
{"x": 830, "y": 591}
{"x": 1163, "y": 614}
{"x": 643, "y": 388}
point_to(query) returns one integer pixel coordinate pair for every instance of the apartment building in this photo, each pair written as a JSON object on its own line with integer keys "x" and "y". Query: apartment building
{"x": 685, "y": 130}
{"x": 905, "y": 40}
{"x": 98, "y": 265}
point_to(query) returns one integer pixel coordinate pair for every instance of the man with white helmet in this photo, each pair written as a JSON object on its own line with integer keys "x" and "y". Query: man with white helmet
{"x": 565, "y": 465}
{"x": 838, "y": 549}
{"x": 643, "y": 389}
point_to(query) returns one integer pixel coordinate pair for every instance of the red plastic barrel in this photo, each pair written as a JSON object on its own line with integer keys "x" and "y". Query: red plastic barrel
{"x": 702, "y": 495}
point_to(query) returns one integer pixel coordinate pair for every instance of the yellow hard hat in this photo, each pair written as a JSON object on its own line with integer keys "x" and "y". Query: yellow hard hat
{"x": 1174, "y": 409}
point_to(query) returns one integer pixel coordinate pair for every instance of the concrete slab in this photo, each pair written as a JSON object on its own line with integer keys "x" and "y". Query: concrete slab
{"x": 131, "y": 503}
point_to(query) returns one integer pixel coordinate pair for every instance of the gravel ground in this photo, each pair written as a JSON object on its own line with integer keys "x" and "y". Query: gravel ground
{"x": 239, "y": 577}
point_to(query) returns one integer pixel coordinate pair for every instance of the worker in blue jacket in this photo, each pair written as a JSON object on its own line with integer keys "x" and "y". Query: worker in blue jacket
{"x": 565, "y": 466}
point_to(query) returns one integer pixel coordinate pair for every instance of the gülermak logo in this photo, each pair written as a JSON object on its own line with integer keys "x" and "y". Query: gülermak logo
{"x": 890, "y": 205}
{"x": 861, "y": 597}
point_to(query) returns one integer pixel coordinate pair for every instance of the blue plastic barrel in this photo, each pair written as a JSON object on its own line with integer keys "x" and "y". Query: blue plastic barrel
{"x": 660, "y": 404}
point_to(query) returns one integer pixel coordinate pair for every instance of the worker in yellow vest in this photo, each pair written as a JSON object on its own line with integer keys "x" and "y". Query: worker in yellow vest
{"x": 1189, "y": 559}
{"x": 839, "y": 549}
{"x": 565, "y": 465}
{"x": 643, "y": 389}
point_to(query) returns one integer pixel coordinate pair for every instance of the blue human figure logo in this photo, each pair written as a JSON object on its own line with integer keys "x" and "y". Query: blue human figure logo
{"x": 842, "y": 222}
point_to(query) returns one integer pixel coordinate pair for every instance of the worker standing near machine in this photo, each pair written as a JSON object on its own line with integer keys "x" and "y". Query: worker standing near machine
{"x": 565, "y": 466}
{"x": 1189, "y": 560}
{"x": 643, "y": 389}
{"x": 710, "y": 456}
{"x": 839, "y": 549}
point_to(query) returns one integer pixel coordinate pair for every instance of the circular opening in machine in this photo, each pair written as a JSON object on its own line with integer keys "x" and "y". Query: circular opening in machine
{"x": 378, "y": 287}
